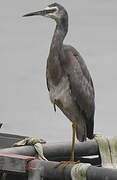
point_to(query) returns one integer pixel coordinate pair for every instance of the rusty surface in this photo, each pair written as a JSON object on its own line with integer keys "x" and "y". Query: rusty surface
{"x": 14, "y": 163}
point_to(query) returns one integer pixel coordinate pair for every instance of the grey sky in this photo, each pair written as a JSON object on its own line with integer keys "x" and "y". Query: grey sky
{"x": 24, "y": 45}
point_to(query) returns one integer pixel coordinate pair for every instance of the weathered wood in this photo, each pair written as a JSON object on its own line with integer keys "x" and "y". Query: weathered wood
{"x": 14, "y": 163}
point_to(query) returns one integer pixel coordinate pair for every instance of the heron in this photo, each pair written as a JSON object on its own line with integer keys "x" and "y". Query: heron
{"x": 69, "y": 82}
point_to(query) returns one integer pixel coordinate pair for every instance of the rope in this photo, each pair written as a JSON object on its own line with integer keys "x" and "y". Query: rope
{"x": 108, "y": 155}
{"x": 108, "y": 151}
{"x": 78, "y": 171}
{"x": 113, "y": 148}
{"x": 37, "y": 143}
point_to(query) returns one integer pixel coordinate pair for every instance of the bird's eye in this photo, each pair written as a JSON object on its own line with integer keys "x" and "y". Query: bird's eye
{"x": 50, "y": 11}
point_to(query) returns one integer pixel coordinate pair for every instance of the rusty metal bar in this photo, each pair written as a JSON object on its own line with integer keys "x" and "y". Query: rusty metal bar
{"x": 50, "y": 171}
{"x": 38, "y": 169}
{"x": 14, "y": 163}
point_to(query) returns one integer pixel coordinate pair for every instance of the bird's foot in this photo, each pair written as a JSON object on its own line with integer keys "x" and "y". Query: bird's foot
{"x": 63, "y": 164}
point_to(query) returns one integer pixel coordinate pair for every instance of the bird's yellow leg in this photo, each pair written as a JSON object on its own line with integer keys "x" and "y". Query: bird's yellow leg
{"x": 63, "y": 164}
{"x": 74, "y": 125}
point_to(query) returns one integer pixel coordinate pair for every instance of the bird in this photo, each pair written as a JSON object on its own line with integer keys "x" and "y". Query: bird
{"x": 68, "y": 79}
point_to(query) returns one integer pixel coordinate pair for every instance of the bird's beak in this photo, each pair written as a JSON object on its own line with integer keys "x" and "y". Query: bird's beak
{"x": 41, "y": 13}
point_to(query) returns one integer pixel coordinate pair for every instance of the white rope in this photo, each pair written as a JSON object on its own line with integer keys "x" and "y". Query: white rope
{"x": 104, "y": 150}
{"x": 108, "y": 154}
{"x": 38, "y": 147}
{"x": 78, "y": 171}
{"x": 108, "y": 151}
{"x": 113, "y": 146}
{"x": 37, "y": 143}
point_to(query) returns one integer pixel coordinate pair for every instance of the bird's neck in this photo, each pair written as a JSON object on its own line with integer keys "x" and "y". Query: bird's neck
{"x": 56, "y": 55}
{"x": 59, "y": 35}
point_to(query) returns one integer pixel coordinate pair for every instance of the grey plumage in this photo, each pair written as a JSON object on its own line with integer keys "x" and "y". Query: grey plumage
{"x": 68, "y": 79}
{"x": 74, "y": 93}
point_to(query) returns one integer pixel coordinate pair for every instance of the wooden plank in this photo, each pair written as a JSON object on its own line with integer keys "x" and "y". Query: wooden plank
{"x": 14, "y": 163}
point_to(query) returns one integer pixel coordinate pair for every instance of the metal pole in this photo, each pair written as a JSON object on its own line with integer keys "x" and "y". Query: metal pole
{"x": 57, "y": 150}
{"x": 51, "y": 171}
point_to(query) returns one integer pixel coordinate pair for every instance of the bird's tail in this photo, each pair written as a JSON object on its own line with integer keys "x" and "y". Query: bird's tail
{"x": 81, "y": 130}
{"x": 85, "y": 128}
{"x": 90, "y": 127}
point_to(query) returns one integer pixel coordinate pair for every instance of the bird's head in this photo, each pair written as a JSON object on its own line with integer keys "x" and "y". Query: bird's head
{"x": 54, "y": 11}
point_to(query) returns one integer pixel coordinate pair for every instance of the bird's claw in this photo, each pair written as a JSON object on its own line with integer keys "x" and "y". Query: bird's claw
{"x": 63, "y": 164}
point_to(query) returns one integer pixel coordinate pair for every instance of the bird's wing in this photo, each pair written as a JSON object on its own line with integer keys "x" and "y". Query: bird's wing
{"x": 81, "y": 63}
{"x": 81, "y": 84}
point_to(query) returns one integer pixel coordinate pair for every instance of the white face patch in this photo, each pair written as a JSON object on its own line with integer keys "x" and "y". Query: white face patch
{"x": 52, "y": 14}
{"x": 51, "y": 8}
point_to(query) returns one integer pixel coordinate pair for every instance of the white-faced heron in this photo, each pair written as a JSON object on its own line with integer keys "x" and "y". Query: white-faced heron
{"x": 68, "y": 80}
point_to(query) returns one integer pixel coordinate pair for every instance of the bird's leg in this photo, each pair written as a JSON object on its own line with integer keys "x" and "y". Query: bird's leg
{"x": 74, "y": 125}
{"x": 63, "y": 164}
